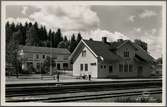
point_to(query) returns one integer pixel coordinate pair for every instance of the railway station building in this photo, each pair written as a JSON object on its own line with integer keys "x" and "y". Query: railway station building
{"x": 36, "y": 56}
{"x": 102, "y": 59}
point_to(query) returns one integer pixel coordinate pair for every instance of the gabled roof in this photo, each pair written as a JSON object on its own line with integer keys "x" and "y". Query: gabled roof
{"x": 118, "y": 44}
{"x": 140, "y": 51}
{"x": 105, "y": 52}
{"x": 143, "y": 54}
{"x": 115, "y": 44}
{"x": 44, "y": 50}
{"x": 102, "y": 50}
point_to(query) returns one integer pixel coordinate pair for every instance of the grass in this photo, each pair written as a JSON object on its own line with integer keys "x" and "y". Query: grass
{"x": 140, "y": 99}
{"x": 126, "y": 99}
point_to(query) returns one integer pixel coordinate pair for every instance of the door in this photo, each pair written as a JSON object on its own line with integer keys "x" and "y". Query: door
{"x": 58, "y": 66}
{"x": 110, "y": 69}
{"x": 140, "y": 71}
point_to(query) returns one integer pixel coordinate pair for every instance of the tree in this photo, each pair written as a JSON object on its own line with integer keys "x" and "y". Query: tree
{"x": 32, "y": 38}
{"x": 29, "y": 25}
{"x": 50, "y": 39}
{"x": 8, "y": 32}
{"x": 141, "y": 44}
{"x": 48, "y": 65}
{"x": 159, "y": 60}
{"x": 12, "y": 54}
{"x": 79, "y": 37}
{"x": 65, "y": 38}
{"x": 18, "y": 36}
{"x": 73, "y": 43}
{"x": 13, "y": 27}
{"x": 57, "y": 37}
{"x": 63, "y": 44}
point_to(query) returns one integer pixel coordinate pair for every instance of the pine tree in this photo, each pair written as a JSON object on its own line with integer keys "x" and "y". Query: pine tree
{"x": 65, "y": 38}
{"x": 31, "y": 37}
{"x": 18, "y": 36}
{"x": 79, "y": 37}
{"x": 64, "y": 43}
{"x": 8, "y": 32}
{"x": 12, "y": 54}
{"x": 58, "y": 37}
{"x": 73, "y": 43}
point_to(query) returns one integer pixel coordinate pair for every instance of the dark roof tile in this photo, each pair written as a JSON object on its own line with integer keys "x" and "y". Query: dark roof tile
{"x": 102, "y": 49}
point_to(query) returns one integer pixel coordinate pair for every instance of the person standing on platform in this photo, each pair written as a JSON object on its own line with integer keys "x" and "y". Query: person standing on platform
{"x": 58, "y": 76}
{"x": 89, "y": 77}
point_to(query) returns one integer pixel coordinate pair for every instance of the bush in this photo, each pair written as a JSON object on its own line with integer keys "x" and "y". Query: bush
{"x": 30, "y": 70}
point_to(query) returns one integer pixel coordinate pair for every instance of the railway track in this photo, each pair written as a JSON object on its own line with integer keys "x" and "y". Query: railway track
{"x": 85, "y": 95}
{"x": 53, "y": 89}
{"x": 65, "y": 92}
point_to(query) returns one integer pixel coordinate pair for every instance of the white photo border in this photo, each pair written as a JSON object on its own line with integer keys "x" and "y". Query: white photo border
{"x": 120, "y": 3}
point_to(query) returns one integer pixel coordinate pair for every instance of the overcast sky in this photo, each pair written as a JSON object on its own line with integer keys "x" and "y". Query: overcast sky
{"x": 114, "y": 22}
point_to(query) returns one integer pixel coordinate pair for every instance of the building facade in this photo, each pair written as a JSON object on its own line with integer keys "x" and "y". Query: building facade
{"x": 36, "y": 56}
{"x": 158, "y": 67}
{"x": 101, "y": 59}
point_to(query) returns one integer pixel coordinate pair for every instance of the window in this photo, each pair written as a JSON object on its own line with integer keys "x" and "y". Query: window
{"x": 130, "y": 68}
{"x": 126, "y": 53}
{"x": 101, "y": 66}
{"x": 104, "y": 66}
{"x": 86, "y": 67}
{"x": 120, "y": 67}
{"x": 81, "y": 67}
{"x": 55, "y": 57}
{"x": 65, "y": 65}
{"x": 110, "y": 69}
{"x": 84, "y": 53}
{"x": 65, "y": 58}
{"x": 93, "y": 64}
{"x": 126, "y": 68}
{"x": 29, "y": 63}
{"x": 43, "y": 56}
{"x": 58, "y": 66}
{"x": 38, "y": 65}
{"x": 37, "y": 56}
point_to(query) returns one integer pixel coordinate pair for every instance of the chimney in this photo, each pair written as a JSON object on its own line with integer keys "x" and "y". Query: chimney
{"x": 90, "y": 39}
{"x": 104, "y": 39}
{"x": 120, "y": 40}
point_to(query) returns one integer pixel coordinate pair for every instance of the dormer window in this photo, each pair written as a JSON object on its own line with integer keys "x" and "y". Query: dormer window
{"x": 126, "y": 53}
{"x": 84, "y": 53}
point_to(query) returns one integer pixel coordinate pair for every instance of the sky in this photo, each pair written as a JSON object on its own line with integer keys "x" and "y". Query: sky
{"x": 96, "y": 21}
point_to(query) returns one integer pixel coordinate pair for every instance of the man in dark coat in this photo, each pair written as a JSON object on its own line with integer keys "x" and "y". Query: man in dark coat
{"x": 58, "y": 76}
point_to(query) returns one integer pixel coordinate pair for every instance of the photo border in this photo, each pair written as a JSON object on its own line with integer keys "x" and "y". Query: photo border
{"x": 129, "y": 3}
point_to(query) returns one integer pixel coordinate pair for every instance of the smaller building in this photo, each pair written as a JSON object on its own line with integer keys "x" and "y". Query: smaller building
{"x": 35, "y": 56}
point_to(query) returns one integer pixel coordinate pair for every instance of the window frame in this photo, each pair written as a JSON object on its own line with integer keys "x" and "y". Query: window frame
{"x": 110, "y": 70}
{"x": 43, "y": 56}
{"x": 101, "y": 66}
{"x": 121, "y": 69}
{"x": 81, "y": 67}
{"x": 130, "y": 67}
{"x": 126, "y": 66}
{"x": 86, "y": 67}
{"x": 65, "y": 65}
{"x": 126, "y": 53}
{"x": 83, "y": 53}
